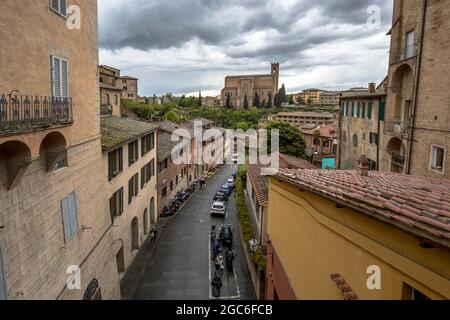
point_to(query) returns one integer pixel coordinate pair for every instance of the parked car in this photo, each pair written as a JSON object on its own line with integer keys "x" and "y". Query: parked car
{"x": 221, "y": 196}
{"x": 219, "y": 208}
{"x": 226, "y": 189}
{"x": 231, "y": 183}
{"x": 226, "y": 235}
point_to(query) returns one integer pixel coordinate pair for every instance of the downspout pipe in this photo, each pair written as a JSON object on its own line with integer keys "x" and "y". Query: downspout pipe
{"x": 416, "y": 86}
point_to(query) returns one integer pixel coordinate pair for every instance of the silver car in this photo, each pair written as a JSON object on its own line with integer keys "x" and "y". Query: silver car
{"x": 219, "y": 208}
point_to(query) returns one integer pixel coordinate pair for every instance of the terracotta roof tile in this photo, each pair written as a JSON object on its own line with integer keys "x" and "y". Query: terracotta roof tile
{"x": 416, "y": 203}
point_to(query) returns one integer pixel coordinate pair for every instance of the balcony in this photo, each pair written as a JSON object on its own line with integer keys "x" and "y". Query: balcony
{"x": 397, "y": 128}
{"x": 26, "y": 113}
{"x": 398, "y": 159}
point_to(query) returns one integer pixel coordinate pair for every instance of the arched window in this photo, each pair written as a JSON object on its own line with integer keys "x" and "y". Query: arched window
{"x": 93, "y": 291}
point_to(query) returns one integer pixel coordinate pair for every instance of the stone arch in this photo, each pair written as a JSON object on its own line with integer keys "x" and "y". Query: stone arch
{"x": 53, "y": 151}
{"x": 153, "y": 217}
{"x": 15, "y": 156}
{"x": 397, "y": 153}
{"x": 146, "y": 222}
{"x": 402, "y": 86}
{"x": 135, "y": 239}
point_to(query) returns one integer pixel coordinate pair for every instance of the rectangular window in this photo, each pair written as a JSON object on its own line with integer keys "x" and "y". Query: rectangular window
{"x": 171, "y": 185}
{"x": 410, "y": 293}
{"x": 355, "y": 140}
{"x": 369, "y": 111}
{"x": 347, "y": 109}
{"x": 116, "y": 204}
{"x": 60, "y": 77}
{"x": 164, "y": 192}
{"x": 115, "y": 163}
{"x": 363, "y": 115}
{"x": 358, "y": 110}
{"x": 152, "y": 168}
{"x": 59, "y": 6}
{"x": 374, "y": 138}
{"x": 69, "y": 216}
{"x": 147, "y": 143}
{"x": 133, "y": 152}
{"x": 409, "y": 45}
{"x": 437, "y": 158}
{"x": 3, "y": 294}
{"x": 381, "y": 111}
{"x": 353, "y": 110}
{"x": 133, "y": 188}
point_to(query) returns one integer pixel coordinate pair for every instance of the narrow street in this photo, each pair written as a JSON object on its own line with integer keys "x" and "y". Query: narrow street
{"x": 179, "y": 267}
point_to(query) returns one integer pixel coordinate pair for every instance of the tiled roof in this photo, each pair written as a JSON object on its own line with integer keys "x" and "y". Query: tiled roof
{"x": 327, "y": 131}
{"x": 165, "y": 145}
{"x": 291, "y": 162}
{"x": 418, "y": 205}
{"x": 345, "y": 288}
{"x": 116, "y": 131}
{"x": 260, "y": 182}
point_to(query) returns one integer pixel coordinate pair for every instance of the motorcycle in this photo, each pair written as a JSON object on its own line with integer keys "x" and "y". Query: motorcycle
{"x": 229, "y": 260}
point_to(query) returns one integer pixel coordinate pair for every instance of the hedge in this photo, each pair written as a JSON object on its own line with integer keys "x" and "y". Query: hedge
{"x": 259, "y": 257}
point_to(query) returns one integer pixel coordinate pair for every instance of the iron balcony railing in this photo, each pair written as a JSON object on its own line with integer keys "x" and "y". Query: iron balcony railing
{"x": 22, "y": 113}
{"x": 396, "y": 127}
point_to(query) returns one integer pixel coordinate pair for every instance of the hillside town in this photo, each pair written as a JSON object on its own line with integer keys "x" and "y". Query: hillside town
{"x": 109, "y": 193}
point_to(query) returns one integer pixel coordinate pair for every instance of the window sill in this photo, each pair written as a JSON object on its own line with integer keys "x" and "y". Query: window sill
{"x": 437, "y": 170}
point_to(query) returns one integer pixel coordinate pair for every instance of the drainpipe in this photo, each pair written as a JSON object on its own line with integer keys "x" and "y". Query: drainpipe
{"x": 378, "y": 137}
{"x": 416, "y": 85}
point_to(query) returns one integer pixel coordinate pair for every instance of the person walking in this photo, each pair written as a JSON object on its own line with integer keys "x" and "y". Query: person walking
{"x": 153, "y": 235}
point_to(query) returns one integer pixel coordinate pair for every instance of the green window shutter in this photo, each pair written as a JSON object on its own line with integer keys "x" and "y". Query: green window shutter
{"x": 136, "y": 150}
{"x": 353, "y": 109}
{"x": 3, "y": 294}
{"x": 130, "y": 154}
{"x": 136, "y": 183}
{"x": 369, "y": 113}
{"x": 110, "y": 166}
{"x": 358, "y": 110}
{"x": 363, "y": 110}
{"x": 382, "y": 110}
{"x": 111, "y": 212}
{"x": 121, "y": 201}
{"x": 121, "y": 159}
{"x": 130, "y": 190}
{"x": 142, "y": 178}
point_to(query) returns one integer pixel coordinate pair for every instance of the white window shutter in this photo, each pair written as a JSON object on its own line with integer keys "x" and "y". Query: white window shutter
{"x": 64, "y": 79}
{"x": 73, "y": 214}
{"x": 66, "y": 218}
{"x": 56, "y": 77}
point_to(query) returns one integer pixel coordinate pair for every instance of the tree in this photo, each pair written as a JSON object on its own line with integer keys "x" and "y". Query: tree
{"x": 316, "y": 136}
{"x": 281, "y": 97}
{"x": 256, "y": 102}
{"x": 242, "y": 125}
{"x": 245, "y": 102}
{"x": 291, "y": 99}
{"x": 200, "y": 103}
{"x": 300, "y": 100}
{"x": 228, "y": 101}
{"x": 291, "y": 139}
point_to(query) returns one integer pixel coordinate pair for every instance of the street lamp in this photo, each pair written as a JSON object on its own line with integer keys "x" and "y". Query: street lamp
{"x": 254, "y": 246}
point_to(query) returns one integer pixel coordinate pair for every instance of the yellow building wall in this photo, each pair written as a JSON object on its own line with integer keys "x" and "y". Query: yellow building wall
{"x": 314, "y": 239}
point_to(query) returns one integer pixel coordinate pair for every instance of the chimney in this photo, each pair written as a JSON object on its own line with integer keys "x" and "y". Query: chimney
{"x": 372, "y": 87}
{"x": 363, "y": 166}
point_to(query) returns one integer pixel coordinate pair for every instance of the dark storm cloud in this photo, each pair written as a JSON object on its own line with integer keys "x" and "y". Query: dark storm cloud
{"x": 160, "y": 24}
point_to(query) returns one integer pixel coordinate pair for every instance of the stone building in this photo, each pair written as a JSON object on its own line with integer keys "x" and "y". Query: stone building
{"x": 416, "y": 135}
{"x": 243, "y": 89}
{"x": 110, "y": 94}
{"x": 302, "y": 119}
{"x": 361, "y": 127}
{"x": 330, "y": 98}
{"x": 129, "y": 161}
{"x": 129, "y": 86}
{"x": 309, "y": 96}
{"x": 340, "y": 235}
{"x": 110, "y": 79}
{"x": 53, "y": 202}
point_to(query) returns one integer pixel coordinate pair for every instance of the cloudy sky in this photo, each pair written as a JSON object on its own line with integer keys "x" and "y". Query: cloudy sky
{"x": 182, "y": 46}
